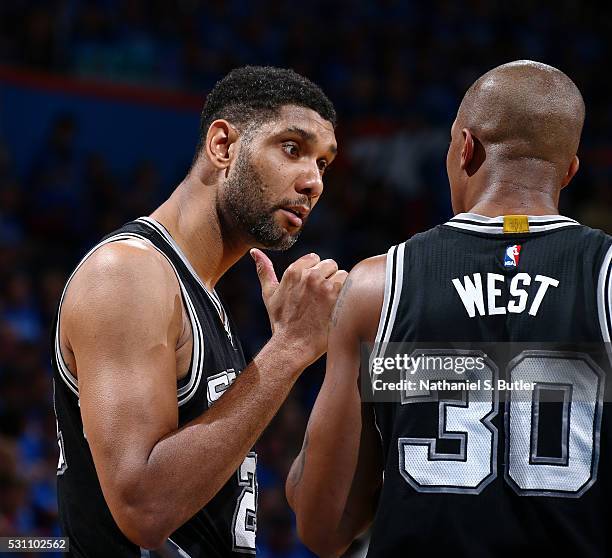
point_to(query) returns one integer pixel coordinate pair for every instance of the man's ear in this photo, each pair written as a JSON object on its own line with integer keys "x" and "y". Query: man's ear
{"x": 571, "y": 171}
{"x": 219, "y": 146}
{"x": 467, "y": 151}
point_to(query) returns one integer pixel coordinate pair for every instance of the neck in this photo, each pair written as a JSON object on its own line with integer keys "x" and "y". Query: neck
{"x": 531, "y": 187}
{"x": 190, "y": 215}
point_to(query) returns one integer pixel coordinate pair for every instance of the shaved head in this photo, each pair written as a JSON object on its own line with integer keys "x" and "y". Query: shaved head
{"x": 525, "y": 109}
{"x": 514, "y": 141}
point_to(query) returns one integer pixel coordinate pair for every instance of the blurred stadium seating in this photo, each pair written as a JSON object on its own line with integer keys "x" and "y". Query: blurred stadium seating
{"x": 99, "y": 110}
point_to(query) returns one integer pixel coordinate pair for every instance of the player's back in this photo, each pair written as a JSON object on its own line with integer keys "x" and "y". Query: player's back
{"x": 499, "y": 440}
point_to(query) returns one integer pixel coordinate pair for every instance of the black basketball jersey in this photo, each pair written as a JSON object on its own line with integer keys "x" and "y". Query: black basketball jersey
{"x": 514, "y": 456}
{"x": 226, "y": 525}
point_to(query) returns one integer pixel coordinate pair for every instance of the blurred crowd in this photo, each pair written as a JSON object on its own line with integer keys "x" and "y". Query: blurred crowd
{"x": 396, "y": 71}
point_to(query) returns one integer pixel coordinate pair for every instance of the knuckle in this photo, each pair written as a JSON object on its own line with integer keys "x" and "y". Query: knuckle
{"x": 311, "y": 257}
{"x": 329, "y": 287}
{"x": 291, "y": 273}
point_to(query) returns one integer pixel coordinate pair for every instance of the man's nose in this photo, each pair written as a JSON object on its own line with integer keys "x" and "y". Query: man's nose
{"x": 310, "y": 183}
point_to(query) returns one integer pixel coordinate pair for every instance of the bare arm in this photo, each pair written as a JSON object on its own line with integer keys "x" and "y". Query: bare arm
{"x": 333, "y": 483}
{"x": 122, "y": 322}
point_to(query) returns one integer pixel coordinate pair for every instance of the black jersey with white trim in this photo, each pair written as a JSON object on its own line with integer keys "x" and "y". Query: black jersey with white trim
{"x": 495, "y": 476}
{"x": 226, "y": 525}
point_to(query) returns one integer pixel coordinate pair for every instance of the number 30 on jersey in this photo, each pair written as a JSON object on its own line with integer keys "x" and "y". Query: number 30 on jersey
{"x": 579, "y": 383}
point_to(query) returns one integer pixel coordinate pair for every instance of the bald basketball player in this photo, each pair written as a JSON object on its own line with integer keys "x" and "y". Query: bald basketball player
{"x": 157, "y": 409}
{"x": 475, "y": 473}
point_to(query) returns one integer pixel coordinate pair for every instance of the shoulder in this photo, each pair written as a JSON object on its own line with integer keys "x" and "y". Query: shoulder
{"x": 591, "y": 247}
{"x": 593, "y": 236}
{"x": 369, "y": 274}
{"x": 439, "y": 232}
{"x": 125, "y": 258}
{"x": 360, "y": 302}
{"x": 120, "y": 280}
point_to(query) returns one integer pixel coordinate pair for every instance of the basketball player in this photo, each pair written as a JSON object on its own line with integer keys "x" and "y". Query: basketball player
{"x": 467, "y": 475}
{"x": 154, "y": 443}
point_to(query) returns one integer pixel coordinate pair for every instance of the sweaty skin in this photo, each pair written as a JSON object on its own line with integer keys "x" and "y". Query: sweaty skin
{"x": 513, "y": 148}
{"x": 125, "y": 336}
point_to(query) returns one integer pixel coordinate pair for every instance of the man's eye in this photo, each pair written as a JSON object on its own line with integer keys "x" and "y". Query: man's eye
{"x": 291, "y": 149}
{"x": 322, "y": 165}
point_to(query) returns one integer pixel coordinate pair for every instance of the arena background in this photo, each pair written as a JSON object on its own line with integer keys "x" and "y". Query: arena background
{"x": 99, "y": 106}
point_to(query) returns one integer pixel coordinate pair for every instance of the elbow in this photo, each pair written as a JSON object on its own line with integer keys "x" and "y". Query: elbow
{"x": 142, "y": 528}
{"x": 308, "y": 531}
{"x": 142, "y": 521}
{"x": 319, "y": 540}
{"x": 318, "y": 535}
{"x": 323, "y": 548}
{"x": 144, "y": 515}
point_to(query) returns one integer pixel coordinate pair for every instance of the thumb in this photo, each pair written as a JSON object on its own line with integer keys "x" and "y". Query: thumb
{"x": 265, "y": 272}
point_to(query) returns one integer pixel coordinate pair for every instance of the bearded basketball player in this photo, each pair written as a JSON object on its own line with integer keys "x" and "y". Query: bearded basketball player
{"x": 157, "y": 409}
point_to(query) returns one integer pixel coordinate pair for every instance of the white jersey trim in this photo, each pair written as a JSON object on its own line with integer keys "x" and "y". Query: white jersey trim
{"x": 604, "y": 297}
{"x": 185, "y": 393}
{"x": 178, "y": 549}
{"x": 399, "y": 280}
{"x": 394, "y": 277}
{"x": 494, "y": 225}
{"x": 212, "y": 295}
{"x": 387, "y": 295}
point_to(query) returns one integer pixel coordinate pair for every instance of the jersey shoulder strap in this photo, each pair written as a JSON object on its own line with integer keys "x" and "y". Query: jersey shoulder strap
{"x": 604, "y": 292}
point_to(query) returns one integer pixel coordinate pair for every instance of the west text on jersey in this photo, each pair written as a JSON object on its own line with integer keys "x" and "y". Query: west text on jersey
{"x": 473, "y": 292}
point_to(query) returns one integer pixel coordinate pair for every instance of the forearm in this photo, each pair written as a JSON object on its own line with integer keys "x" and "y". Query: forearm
{"x": 320, "y": 480}
{"x": 186, "y": 468}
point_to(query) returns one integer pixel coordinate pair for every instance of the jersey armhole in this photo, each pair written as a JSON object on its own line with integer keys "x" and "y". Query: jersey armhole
{"x": 604, "y": 297}
{"x": 394, "y": 276}
{"x": 192, "y": 380}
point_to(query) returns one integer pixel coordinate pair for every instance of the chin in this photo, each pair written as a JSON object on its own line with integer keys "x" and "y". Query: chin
{"x": 283, "y": 243}
{"x": 272, "y": 235}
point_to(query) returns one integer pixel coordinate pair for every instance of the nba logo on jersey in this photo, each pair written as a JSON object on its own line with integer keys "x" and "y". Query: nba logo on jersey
{"x": 511, "y": 259}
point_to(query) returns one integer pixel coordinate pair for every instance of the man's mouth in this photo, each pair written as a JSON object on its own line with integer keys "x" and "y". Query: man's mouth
{"x": 296, "y": 214}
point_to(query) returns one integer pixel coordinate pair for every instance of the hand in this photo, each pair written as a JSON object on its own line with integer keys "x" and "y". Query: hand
{"x": 300, "y": 306}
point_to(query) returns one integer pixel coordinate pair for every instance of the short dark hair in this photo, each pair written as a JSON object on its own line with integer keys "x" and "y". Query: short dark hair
{"x": 254, "y": 94}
